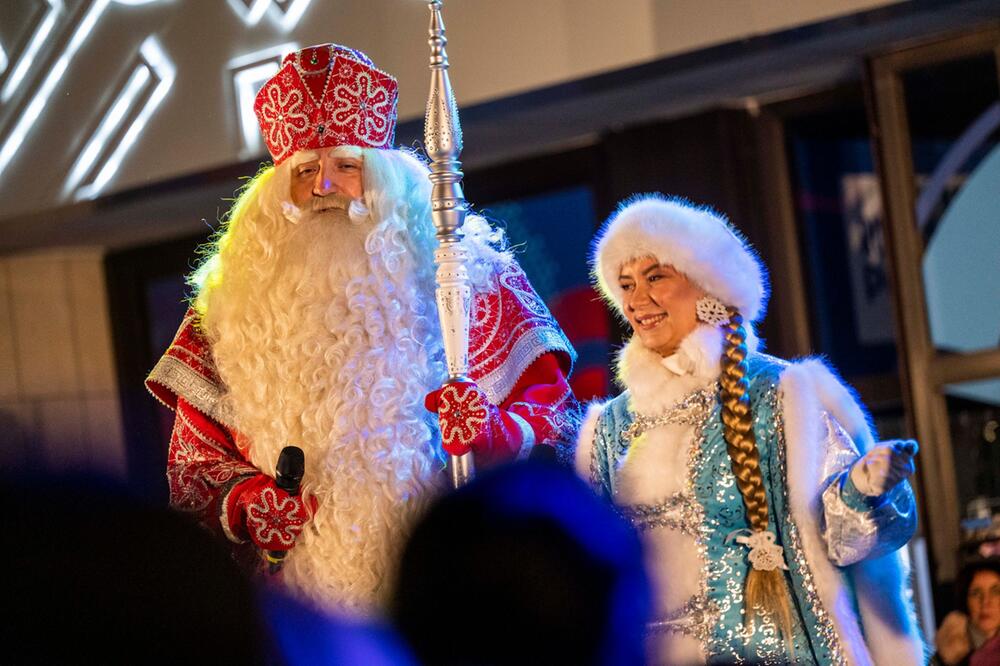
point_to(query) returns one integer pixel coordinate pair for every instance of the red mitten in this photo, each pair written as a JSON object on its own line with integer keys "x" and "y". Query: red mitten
{"x": 464, "y": 413}
{"x": 469, "y": 422}
{"x": 272, "y": 518}
{"x": 540, "y": 410}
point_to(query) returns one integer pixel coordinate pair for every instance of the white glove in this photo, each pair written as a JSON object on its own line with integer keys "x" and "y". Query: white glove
{"x": 879, "y": 470}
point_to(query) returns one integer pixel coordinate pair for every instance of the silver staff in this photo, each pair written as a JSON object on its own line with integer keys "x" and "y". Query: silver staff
{"x": 443, "y": 142}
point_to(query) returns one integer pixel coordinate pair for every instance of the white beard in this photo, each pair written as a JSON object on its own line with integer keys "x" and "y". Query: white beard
{"x": 321, "y": 346}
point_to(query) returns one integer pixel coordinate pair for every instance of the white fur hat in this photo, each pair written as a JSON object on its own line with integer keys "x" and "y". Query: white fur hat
{"x": 698, "y": 242}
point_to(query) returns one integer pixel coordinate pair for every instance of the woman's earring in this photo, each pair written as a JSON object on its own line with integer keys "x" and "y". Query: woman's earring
{"x": 711, "y": 311}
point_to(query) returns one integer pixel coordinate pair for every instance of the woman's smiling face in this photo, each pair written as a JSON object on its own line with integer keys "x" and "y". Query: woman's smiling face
{"x": 659, "y": 303}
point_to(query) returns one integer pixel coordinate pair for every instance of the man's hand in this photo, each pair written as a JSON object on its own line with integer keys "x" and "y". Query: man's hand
{"x": 273, "y": 518}
{"x": 882, "y": 468}
{"x": 952, "y": 639}
{"x": 466, "y": 416}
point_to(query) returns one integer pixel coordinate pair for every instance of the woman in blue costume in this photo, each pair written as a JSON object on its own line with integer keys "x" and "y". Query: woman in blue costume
{"x": 772, "y": 518}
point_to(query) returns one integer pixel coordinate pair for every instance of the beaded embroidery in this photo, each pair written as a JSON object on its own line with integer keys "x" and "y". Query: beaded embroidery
{"x": 678, "y": 512}
{"x": 693, "y": 409}
{"x": 326, "y": 96}
{"x": 695, "y": 618}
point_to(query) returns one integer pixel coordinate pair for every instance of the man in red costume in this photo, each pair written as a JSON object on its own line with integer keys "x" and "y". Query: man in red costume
{"x": 314, "y": 324}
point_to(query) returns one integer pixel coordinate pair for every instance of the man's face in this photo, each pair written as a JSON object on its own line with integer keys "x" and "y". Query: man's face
{"x": 326, "y": 171}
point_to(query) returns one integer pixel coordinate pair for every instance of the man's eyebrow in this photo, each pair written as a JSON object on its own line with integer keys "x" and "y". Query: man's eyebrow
{"x": 654, "y": 267}
{"x": 303, "y": 158}
{"x": 347, "y": 151}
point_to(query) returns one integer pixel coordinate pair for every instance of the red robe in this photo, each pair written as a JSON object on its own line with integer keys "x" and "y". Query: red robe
{"x": 517, "y": 354}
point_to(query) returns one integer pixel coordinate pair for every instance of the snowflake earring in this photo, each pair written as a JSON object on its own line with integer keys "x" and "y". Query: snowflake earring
{"x": 711, "y": 311}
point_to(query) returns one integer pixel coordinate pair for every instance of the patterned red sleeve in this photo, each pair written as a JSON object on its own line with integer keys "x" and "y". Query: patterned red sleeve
{"x": 510, "y": 329}
{"x": 203, "y": 466}
{"x": 187, "y": 370}
{"x": 544, "y": 407}
{"x": 521, "y": 359}
{"x": 203, "y": 461}
{"x": 543, "y": 398}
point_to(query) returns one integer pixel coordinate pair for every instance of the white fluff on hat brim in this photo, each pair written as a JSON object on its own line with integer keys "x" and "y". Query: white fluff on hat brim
{"x": 696, "y": 241}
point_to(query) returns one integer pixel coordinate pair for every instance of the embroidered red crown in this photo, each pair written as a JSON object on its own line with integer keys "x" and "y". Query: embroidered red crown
{"x": 326, "y": 95}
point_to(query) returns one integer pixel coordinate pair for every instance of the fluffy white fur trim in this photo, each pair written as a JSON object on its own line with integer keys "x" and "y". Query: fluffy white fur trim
{"x": 654, "y": 385}
{"x": 652, "y": 382}
{"x": 809, "y": 388}
{"x": 696, "y": 241}
{"x": 585, "y": 439}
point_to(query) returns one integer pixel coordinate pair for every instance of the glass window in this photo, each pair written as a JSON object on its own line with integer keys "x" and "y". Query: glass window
{"x": 954, "y": 115}
{"x": 839, "y": 206}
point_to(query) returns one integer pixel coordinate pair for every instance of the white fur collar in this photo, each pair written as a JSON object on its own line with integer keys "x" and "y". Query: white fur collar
{"x": 655, "y": 383}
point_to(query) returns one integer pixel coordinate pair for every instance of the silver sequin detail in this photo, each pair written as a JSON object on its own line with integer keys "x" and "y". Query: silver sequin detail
{"x": 699, "y": 614}
{"x": 695, "y": 618}
{"x": 680, "y": 512}
{"x": 695, "y": 462}
{"x": 753, "y": 639}
{"x": 693, "y": 409}
{"x": 187, "y": 383}
{"x": 595, "y": 478}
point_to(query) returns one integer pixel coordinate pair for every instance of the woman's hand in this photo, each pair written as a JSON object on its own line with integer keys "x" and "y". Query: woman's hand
{"x": 952, "y": 639}
{"x": 882, "y": 468}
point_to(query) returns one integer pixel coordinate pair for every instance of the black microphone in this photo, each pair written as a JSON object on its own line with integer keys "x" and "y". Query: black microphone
{"x": 288, "y": 477}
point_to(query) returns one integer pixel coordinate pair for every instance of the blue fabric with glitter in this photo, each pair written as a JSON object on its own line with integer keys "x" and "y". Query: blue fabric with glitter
{"x": 715, "y": 489}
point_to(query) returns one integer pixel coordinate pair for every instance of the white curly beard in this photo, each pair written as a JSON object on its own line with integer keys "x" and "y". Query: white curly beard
{"x": 311, "y": 332}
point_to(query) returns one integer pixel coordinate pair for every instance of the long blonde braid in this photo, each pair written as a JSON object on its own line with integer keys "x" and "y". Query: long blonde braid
{"x": 764, "y": 592}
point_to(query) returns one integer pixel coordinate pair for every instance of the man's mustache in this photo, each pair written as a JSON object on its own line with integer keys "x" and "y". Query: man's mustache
{"x": 320, "y": 204}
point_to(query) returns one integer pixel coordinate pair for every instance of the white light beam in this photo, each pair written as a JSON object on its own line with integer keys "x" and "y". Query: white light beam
{"x": 247, "y": 82}
{"x": 291, "y": 16}
{"x": 24, "y": 62}
{"x": 165, "y": 71}
{"x": 137, "y": 81}
{"x": 30, "y": 115}
{"x": 250, "y": 15}
{"x": 250, "y": 72}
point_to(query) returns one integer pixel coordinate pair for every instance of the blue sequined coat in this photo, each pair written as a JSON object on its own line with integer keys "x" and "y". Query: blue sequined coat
{"x": 673, "y": 480}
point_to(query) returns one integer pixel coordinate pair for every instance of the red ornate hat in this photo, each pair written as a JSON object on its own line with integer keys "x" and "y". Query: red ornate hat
{"x": 323, "y": 96}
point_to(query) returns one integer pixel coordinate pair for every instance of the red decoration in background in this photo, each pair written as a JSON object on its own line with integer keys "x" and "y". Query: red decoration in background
{"x": 584, "y": 319}
{"x": 590, "y": 383}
